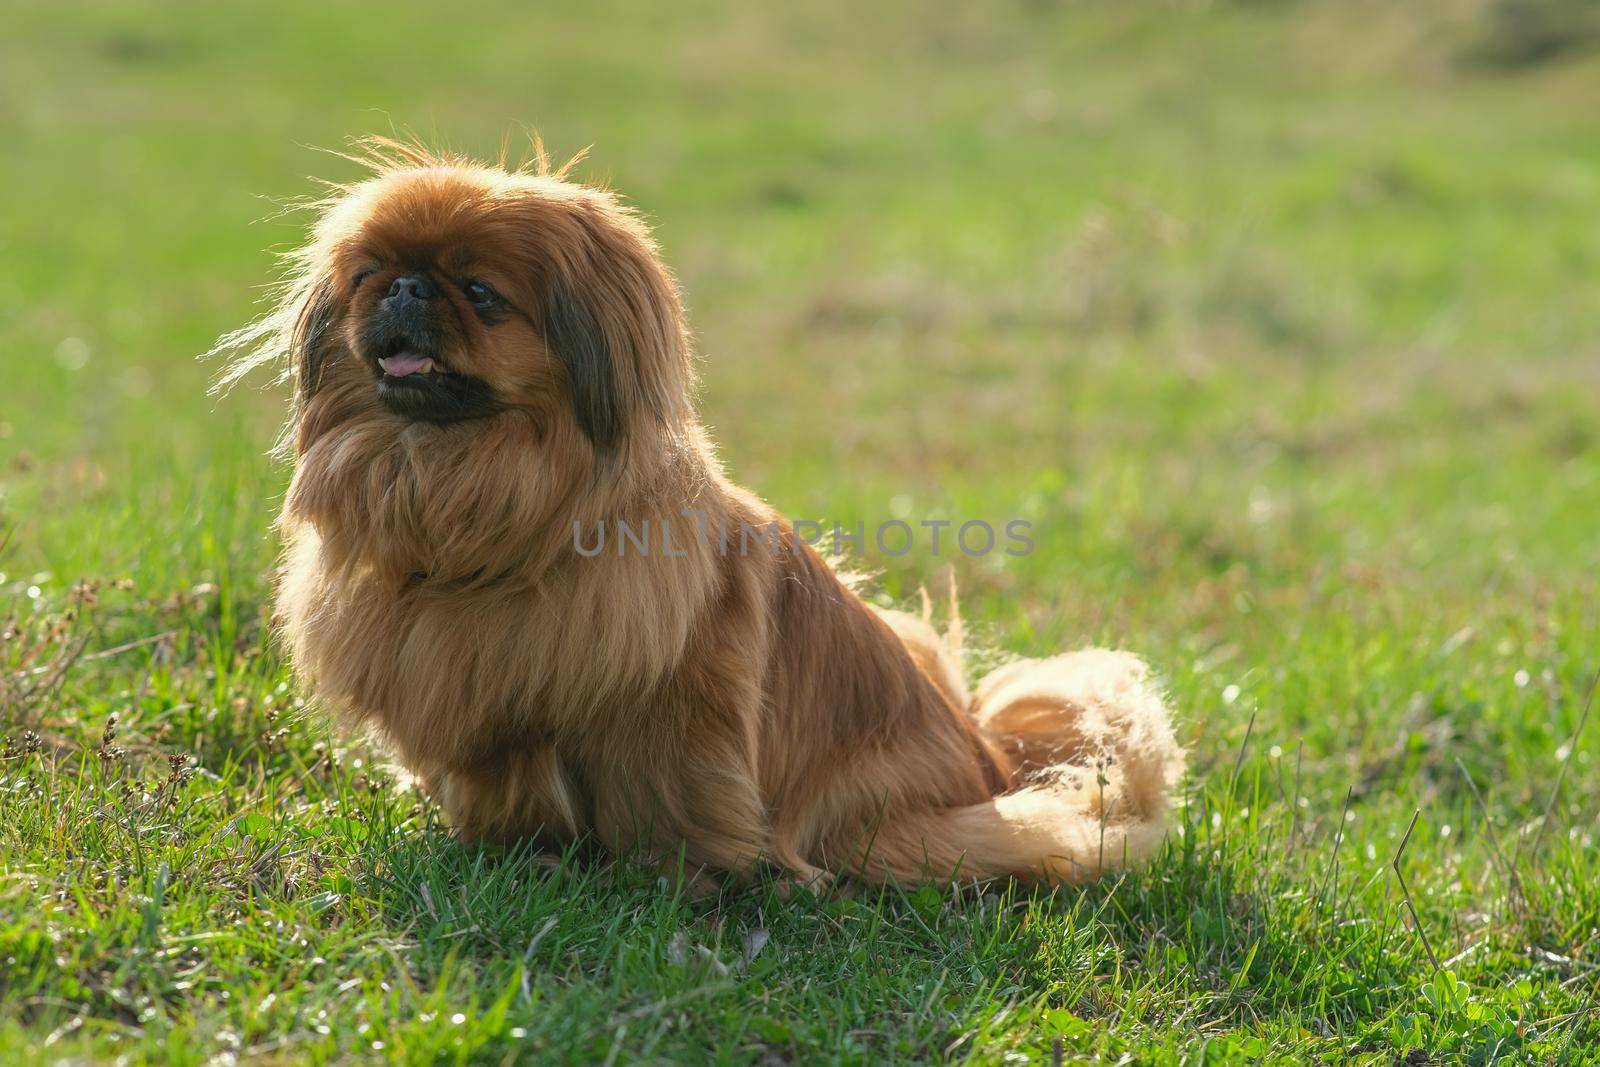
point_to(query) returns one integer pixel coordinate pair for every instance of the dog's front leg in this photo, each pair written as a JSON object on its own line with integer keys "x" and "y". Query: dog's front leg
{"x": 518, "y": 793}
{"x": 680, "y": 785}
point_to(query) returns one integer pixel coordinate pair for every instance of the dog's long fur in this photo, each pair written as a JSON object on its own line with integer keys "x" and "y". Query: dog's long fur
{"x": 740, "y": 707}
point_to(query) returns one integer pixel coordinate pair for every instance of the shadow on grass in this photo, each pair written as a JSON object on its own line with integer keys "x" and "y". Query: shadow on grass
{"x": 919, "y": 972}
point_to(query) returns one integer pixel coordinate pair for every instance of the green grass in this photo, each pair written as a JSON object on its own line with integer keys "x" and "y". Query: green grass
{"x": 1278, "y": 321}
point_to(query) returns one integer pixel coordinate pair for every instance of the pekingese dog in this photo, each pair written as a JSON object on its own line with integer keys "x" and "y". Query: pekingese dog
{"x": 487, "y": 361}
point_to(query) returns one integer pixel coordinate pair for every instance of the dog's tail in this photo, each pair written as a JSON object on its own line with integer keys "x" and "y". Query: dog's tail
{"x": 1096, "y": 766}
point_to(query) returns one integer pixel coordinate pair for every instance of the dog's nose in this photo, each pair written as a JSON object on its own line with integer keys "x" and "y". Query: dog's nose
{"x": 412, "y": 287}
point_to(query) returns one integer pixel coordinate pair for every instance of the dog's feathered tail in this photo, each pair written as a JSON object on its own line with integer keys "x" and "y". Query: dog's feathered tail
{"x": 1096, "y": 765}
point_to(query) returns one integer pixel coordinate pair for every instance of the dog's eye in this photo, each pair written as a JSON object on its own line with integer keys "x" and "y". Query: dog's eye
{"x": 480, "y": 295}
{"x": 361, "y": 276}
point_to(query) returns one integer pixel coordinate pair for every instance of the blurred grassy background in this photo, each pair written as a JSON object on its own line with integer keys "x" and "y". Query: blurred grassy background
{"x": 1278, "y": 320}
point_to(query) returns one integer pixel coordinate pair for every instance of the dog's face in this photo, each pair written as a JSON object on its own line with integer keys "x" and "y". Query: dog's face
{"x": 445, "y": 293}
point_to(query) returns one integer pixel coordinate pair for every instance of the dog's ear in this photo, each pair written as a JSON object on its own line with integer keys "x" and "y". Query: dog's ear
{"x": 572, "y": 330}
{"x": 310, "y": 337}
{"x": 613, "y": 318}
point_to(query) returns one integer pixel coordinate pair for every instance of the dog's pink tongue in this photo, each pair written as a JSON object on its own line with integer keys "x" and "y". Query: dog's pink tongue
{"x": 402, "y": 364}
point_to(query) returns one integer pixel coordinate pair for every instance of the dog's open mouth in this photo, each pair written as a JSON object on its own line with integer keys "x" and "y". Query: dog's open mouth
{"x": 423, "y": 387}
{"x": 405, "y": 364}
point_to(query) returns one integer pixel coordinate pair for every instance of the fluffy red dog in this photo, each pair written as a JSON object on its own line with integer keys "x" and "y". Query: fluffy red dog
{"x": 486, "y": 360}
